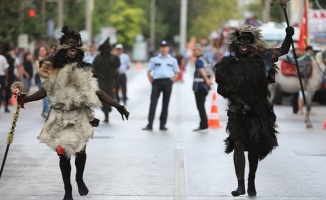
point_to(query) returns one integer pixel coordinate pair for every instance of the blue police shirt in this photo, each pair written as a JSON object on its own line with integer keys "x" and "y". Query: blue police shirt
{"x": 163, "y": 67}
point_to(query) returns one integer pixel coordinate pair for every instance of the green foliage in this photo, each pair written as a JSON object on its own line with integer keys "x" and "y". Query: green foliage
{"x": 276, "y": 13}
{"x": 15, "y": 19}
{"x": 256, "y": 8}
{"x": 126, "y": 19}
{"x": 213, "y": 14}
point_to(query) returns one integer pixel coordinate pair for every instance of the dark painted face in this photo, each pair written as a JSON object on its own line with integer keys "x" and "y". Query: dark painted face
{"x": 244, "y": 43}
{"x": 72, "y": 50}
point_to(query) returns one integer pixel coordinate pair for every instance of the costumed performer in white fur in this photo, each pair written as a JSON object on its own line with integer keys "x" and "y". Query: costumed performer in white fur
{"x": 73, "y": 92}
{"x": 243, "y": 79}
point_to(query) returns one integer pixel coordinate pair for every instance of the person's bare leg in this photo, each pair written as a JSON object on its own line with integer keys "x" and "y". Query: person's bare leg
{"x": 239, "y": 165}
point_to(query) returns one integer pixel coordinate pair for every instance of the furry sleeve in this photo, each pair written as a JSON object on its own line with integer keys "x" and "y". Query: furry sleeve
{"x": 223, "y": 69}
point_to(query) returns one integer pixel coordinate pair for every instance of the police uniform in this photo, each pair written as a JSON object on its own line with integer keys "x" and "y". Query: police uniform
{"x": 201, "y": 90}
{"x": 163, "y": 69}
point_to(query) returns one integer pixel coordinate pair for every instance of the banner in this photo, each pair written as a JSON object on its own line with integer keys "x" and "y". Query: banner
{"x": 303, "y": 37}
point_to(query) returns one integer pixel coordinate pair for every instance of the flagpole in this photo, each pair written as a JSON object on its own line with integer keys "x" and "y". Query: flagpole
{"x": 307, "y": 21}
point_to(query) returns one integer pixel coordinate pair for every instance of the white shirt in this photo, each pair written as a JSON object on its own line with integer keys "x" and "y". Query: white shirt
{"x": 3, "y": 65}
{"x": 124, "y": 63}
{"x": 89, "y": 58}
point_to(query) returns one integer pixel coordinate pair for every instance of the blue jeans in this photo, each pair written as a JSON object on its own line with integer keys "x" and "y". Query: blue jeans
{"x": 45, "y": 100}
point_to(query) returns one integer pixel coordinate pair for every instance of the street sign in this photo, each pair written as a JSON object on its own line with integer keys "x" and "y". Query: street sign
{"x": 23, "y": 41}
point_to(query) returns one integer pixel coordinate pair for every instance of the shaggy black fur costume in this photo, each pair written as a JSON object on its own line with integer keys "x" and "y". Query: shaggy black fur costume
{"x": 251, "y": 116}
{"x": 106, "y": 71}
{"x": 243, "y": 79}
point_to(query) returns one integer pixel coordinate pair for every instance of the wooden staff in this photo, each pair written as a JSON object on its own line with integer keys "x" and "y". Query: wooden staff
{"x": 284, "y": 6}
{"x": 14, "y": 87}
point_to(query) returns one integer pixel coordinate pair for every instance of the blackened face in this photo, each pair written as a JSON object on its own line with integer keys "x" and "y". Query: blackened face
{"x": 244, "y": 43}
{"x": 72, "y": 48}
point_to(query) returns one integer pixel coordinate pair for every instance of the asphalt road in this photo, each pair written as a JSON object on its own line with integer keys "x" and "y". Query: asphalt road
{"x": 126, "y": 163}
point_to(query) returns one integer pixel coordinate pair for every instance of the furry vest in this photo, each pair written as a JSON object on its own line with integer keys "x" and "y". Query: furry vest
{"x": 72, "y": 94}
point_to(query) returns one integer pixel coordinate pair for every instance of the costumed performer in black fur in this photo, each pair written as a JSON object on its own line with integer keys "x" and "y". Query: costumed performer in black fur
{"x": 106, "y": 68}
{"x": 243, "y": 79}
{"x": 73, "y": 93}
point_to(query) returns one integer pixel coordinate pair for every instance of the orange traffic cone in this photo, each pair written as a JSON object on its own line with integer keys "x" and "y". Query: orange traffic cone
{"x": 138, "y": 66}
{"x": 324, "y": 124}
{"x": 214, "y": 120}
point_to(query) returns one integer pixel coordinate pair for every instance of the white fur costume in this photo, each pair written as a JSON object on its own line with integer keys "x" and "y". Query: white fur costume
{"x": 72, "y": 93}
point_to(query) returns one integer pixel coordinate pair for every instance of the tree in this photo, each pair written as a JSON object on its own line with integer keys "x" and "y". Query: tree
{"x": 212, "y": 15}
{"x": 125, "y": 19}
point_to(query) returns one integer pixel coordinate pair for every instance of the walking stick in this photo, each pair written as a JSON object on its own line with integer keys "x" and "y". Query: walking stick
{"x": 14, "y": 87}
{"x": 283, "y": 5}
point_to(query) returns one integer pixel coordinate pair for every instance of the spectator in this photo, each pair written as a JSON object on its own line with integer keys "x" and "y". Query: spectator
{"x": 89, "y": 58}
{"x": 124, "y": 66}
{"x": 3, "y": 67}
{"x": 53, "y": 49}
{"x": 42, "y": 55}
{"x": 27, "y": 71}
{"x": 203, "y": 79}
{"x": 12, "y": 60}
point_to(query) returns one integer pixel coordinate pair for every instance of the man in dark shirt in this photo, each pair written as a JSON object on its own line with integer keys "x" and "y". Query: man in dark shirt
{"x": 28, "y": 71}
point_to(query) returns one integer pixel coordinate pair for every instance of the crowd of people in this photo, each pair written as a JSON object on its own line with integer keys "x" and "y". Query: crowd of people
{"x": 20, "y": 65}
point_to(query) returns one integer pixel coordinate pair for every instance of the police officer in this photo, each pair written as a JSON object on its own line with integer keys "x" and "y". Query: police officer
{"x": 161, "y": 72}
{"x": 203, "y": 79}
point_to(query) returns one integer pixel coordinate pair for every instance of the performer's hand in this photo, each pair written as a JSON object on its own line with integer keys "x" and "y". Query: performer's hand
{"x": 21, "y": 97}
{"x": 123, "y": 111}
{"x": 289, "y": 31}
{"x": 95, "y": 122}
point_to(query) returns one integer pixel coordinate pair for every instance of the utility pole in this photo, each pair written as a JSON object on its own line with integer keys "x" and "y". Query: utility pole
{"x": 266, "y": 12}
{"x": 152, "y": 25}
{"x": 183, "y": 25}
{"x": 89, "y": 19}
{"x": 43, "y": 14}
{"x": 60, "y": 13}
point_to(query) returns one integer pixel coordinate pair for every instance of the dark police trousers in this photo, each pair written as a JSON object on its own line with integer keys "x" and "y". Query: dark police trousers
{"x": 123, "y": 85}
{"x": 200, "y": 96}
{"x": 158, "y": 86}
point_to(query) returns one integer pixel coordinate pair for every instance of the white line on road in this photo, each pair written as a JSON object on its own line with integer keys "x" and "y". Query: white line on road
{"x": 179, "y": 175}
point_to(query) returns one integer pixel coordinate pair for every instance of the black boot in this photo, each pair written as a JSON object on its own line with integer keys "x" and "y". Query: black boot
{"x": 65, "y": 171}
{"x": 80, "y": 166}
{"x": 240, "y": 190}
{"x": 251, "y": 187}
{"x": 68, "y": 193}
